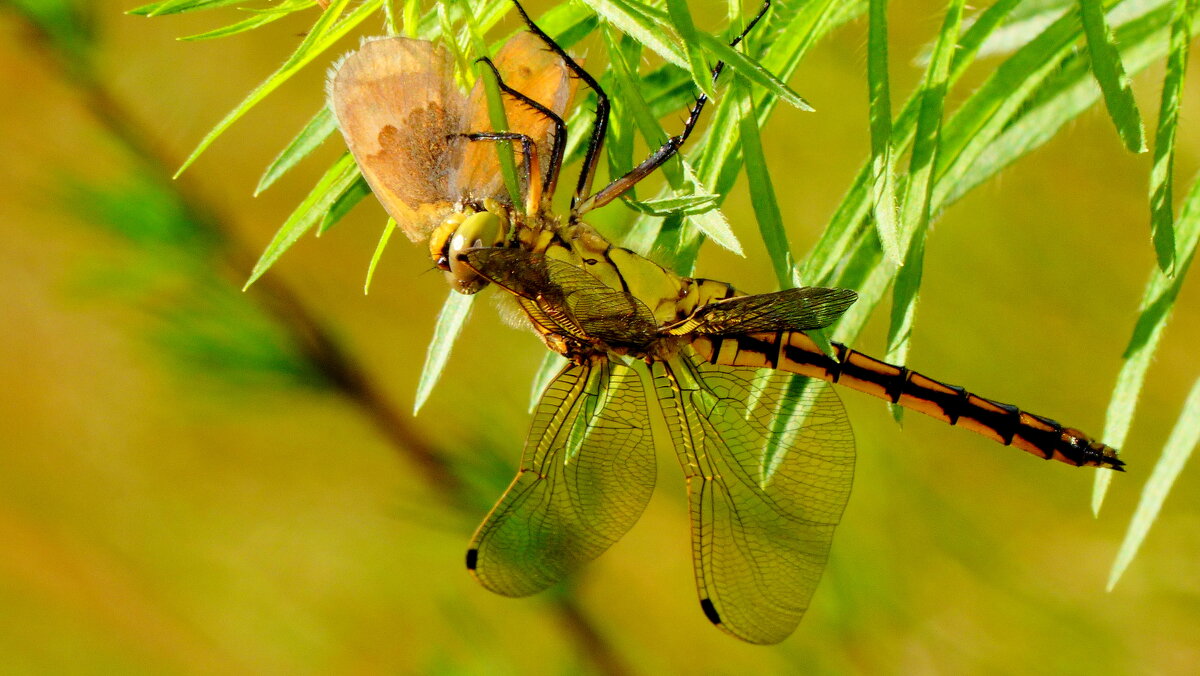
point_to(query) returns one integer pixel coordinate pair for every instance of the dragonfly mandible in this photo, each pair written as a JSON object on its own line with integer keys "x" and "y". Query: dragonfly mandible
{"x": 762, "y": 438}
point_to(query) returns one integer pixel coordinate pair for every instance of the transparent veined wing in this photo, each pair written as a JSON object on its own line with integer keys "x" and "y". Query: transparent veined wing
{"x": 801, "y": 309}
{"x": 396, "y": 103}
{"x": 585, "y": 477}
{"x": 769, "y": 460}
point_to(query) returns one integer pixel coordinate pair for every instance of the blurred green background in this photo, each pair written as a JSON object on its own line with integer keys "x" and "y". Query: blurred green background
{"x": 184, "y": 489}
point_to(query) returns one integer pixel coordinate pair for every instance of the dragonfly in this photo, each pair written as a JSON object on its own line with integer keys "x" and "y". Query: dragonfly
{"x": 742, "y": 386}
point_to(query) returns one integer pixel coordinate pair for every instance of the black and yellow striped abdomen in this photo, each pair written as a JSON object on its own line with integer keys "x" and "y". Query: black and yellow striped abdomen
{"x": 795, "y": 352}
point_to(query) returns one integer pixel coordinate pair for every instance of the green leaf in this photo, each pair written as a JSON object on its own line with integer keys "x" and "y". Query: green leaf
{"x": 336, "y": 180}
{"x": 712, "y": 223}
{"x": 685, "y": 204}
{"x": 883, "y": 185}
{"x": 915, "y": 212}
{"x": 752, "y": 70}
{"x": 1110, "y": 73}
{"x": 180, "y": 6}
{"x": 631, "y": 104}
{"x": 762, "y": 193}
{"x": 999, "y": 100}
{"x": 325, "y": 32}
{"x": 720, "y": 153}
{"x": 350, "y": 197}
{"x": 844, "y": 231}
{"x": 681, "y": 18}
{"x": 384, "y": 237}
{"x": 635, "y": 20}
{"x": 1162, "y": 173}
{"x": 259, "y": 18}
{"x": 412, "y": 17}
{"x": 1184, "y": 437}
{"x": 1064, "y": 95}
{"x": 496, "y": 115}
{"x": 1157, "y": 303}
{"x": 312, "y": 135}
{"x": 450, "y": 322}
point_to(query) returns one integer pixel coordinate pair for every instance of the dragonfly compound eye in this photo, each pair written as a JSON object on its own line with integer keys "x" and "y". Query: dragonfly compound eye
{"x": 483, "y": 229}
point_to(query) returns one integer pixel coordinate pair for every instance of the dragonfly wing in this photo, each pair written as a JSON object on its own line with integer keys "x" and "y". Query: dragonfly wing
{"x": 580, "y": 303}
{"x": 769, "y": 459}
{"x": 585, "y": 477}
{"x": 528, "y": 67}
{"x": 396, "y": 103}
{"x": 801, "y": 309}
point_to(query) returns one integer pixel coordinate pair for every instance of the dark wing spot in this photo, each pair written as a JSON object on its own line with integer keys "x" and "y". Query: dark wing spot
{"x": 710, "y": 611}
{"x": 472, "y": 558}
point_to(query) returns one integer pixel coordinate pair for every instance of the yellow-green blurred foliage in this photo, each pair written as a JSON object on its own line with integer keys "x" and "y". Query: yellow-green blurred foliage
{"x": 160, "y": 516}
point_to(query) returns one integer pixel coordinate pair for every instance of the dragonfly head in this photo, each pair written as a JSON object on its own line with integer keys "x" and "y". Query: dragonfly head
{"x": 462, "y": 231}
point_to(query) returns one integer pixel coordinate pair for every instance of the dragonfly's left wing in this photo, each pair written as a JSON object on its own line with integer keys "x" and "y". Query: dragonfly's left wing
{"x": 801, "y": 309}
{"x": 769, "y": 459}
{"x": 585, "y": 478}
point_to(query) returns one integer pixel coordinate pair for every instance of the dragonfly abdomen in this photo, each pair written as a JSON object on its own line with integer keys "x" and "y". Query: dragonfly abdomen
{"x": 795, "y": 352}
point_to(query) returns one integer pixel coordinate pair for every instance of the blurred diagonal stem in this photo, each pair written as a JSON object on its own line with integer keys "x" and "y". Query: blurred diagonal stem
{"x": 339, "y": 369}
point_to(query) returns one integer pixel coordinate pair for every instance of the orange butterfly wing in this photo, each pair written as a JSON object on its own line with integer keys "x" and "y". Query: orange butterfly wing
{"x": 529, "y": 67}
{"x": 396, "y": 103}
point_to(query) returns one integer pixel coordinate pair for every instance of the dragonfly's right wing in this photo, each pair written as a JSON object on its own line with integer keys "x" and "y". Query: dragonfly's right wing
{"x": 585, "y": 477}
{"x": 397, "y": 105}
{"x": 769, "y": 459}
{"x": 801, "y": 309}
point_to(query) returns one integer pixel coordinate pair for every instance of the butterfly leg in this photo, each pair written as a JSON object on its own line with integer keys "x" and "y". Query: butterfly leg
{"x": 599, "y": 127}
{"x": 533, "y": 190}
{"x": 670, "y": 147}
{"x": 550, "y": 181}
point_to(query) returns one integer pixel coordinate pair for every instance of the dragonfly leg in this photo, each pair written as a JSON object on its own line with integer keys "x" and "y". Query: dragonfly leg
{"x": 599, "y": 126}
{"x": 670, "y": 147}
{"x": 550, "y": 181}
{"x": 533, "y": 190}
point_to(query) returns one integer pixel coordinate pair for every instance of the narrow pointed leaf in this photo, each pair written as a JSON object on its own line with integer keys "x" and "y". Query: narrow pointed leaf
{"x": 384, "y": 238}
{"x": 636, "y": 23}
{"x": 1184, "y": 437}
{"x": 681, "y": 19}
{"x": 685, "y": 204}
{"x": 312, "y": 135}
{"x": 915, "y": 211}
{"x": 1110, "y": 73}
{"x": 752, "y": 70}
{"x": 349, "y": 198}
{"x": 762, "y": 193}
{"x": 883, "y": 185}
{"x": 337, "y": 178}
{"x": 624, "y": 73}
{"x": 1157, "y": 303}
{"x": 179, "y": 6}
{"x": 324, "y": 33}
{"x": 258, "y": 19}
{"x": 450, "y": 322}
{"x": 1063, "y": 97}
{"x": 842, "y": 232}
{"x": 712, "y": 223}
{"x": 1162, "y": 174}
